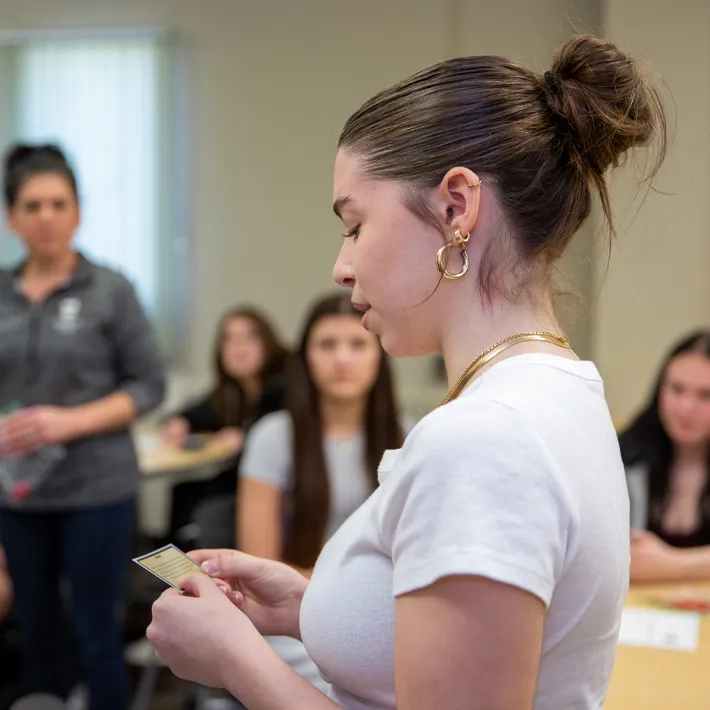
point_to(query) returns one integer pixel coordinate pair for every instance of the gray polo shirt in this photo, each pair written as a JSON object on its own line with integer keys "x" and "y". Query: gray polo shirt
{"x": 88, "y": 339}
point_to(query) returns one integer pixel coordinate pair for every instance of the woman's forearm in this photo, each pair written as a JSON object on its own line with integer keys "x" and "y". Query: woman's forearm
{"x": 694, "y": 563}
{"x": 268, "y": 683}
{"x": 111, "y": 413}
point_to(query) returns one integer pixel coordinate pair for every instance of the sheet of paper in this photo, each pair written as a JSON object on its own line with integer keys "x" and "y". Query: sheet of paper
{"x": 671, "y": 630}
{"x": 168, "y": 563}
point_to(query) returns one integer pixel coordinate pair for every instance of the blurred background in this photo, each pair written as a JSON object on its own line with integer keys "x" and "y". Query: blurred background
{"x": 203, "y": 135}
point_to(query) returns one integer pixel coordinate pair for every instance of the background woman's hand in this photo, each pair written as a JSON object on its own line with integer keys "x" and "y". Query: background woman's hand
{"x": 33, "y": 428}
{"x": 652, "y": 559}
{"x": 231, "y": 438}
{"x": 175, "y": 431}
{"x": 268, "y": 592}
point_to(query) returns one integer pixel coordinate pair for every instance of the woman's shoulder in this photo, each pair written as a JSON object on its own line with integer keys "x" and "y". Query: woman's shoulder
{"x": 274, "y": 425}
{"x": 479, "y": 442}
{"x": 637, "y": 476}
{"x": 108, "y": 279}
{"x": 267, "y": 450}
{"x": 465, "y": 423}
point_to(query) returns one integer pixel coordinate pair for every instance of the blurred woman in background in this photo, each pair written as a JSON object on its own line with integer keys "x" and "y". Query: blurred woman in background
{"x": 78, "y": 364}
{"x": 249, "y": 372}
{"x": 666, "y": 451}
{"x": 306, "y": 469}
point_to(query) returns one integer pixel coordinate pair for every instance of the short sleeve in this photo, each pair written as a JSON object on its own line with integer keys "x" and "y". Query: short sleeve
{"x": 475, "y": 492}
{"x": 267, "y": 454}
{"x": 637, "y": 482}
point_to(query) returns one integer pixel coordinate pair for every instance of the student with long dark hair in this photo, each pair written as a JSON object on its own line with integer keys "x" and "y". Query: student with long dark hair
{"x": 78, "y": 364}
{"x": 306, "y": 469}
{"x": 666, "y": 451}
{"x": 249, "y": 377}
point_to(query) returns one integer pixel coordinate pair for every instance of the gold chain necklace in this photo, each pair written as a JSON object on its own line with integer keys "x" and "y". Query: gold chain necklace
{"x": 496, "y": 349}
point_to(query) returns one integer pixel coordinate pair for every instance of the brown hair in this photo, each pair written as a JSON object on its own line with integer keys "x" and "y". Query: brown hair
{"x": 310, "y": 504}
{"x": 542, "y": 141}
{"x": 23, "y": 161}
{"x": 228, "y": 398}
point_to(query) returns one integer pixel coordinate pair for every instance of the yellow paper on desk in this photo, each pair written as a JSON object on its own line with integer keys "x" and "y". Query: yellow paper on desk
{"x": 170, "y": 564}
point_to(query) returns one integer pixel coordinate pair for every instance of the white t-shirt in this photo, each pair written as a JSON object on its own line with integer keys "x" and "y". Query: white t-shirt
{"x": 519, "y": 480}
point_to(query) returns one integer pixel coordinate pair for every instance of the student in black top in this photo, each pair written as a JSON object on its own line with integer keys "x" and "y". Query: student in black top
{"x": 666, "y": 451}
{"x": 249, "y": 363}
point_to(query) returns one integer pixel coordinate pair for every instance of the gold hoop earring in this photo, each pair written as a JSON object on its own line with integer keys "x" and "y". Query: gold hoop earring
{"x": 442, "y": 256}
{"x": 474, "y": 184}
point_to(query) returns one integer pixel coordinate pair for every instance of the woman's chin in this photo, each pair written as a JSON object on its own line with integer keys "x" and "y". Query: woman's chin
{"x": 400, "y": 346}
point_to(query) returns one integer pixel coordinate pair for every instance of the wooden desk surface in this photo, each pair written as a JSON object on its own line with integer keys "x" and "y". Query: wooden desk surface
{"x": 651, "y": 679}
{"x": 157, "y": 459}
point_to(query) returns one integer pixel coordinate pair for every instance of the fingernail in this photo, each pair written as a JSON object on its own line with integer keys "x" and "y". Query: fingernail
{"x": 210, "y": 567}
{"x": 223, "y": 588}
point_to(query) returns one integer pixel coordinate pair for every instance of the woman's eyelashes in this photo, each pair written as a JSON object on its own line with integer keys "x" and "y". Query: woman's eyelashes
{"x": 353, "y": 233}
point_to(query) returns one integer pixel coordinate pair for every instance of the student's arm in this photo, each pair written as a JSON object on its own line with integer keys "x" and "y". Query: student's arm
{"x": 259, "y": 518}
{"x": 467, "y": 642}
{"x": 200, "y": 416}
{"x": 140, "y": 370}
{"x": 471, "y": 596}
{"x": 653, "y": 560}
{"x": 266, "y": 472}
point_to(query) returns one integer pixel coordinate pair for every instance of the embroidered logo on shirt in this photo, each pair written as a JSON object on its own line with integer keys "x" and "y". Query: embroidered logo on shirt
{"x": 67, "y": 320}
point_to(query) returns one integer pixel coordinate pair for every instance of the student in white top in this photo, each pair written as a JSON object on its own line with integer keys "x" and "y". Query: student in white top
{"x": 666, "y": 450}
{"x": 489, "y": 568}
{"x": 307, "y": 468}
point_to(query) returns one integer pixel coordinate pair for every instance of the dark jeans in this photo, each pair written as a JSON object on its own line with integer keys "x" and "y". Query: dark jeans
{"x": 88, "y": 548}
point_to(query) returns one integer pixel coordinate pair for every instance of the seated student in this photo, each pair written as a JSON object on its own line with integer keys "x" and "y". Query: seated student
{"x": 249, "y": 363}
{"x": 306, "y": 469}
{"x": 666, "y": 451}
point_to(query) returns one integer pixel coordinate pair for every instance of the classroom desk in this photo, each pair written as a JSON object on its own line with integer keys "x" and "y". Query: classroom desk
{"x": 651, "y": 679}
{"x": 163, "y": 467}
{"x": 158, "y": 459}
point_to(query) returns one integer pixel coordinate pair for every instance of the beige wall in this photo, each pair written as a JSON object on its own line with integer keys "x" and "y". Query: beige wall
{"x": 659, "y": 281}
{"x": 271, "y": 83}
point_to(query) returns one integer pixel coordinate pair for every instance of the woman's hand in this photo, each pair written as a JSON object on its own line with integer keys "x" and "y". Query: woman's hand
{"x": 653, "y": 560}
{"x": 268, "y": 592}
{"x": 32, "y": 428}
{"x": 200, "y": 636}
{"x": 231, "y": 438}
{"x": 175, "y": 431}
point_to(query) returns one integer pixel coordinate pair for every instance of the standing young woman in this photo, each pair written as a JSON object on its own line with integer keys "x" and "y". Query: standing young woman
{"x": 490, "y": 567}
{"x": 666, "y": 451}
{"x": 249, "y": 380}
{"x": 78, "y": 363}
{"x": 306, "y": 469}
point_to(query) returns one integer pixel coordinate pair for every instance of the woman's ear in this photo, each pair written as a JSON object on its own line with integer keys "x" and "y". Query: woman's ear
{"x": 460, "y": 191}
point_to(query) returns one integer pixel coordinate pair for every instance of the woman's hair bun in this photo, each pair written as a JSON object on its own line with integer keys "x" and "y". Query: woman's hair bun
{"x": 600, "y": 98}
